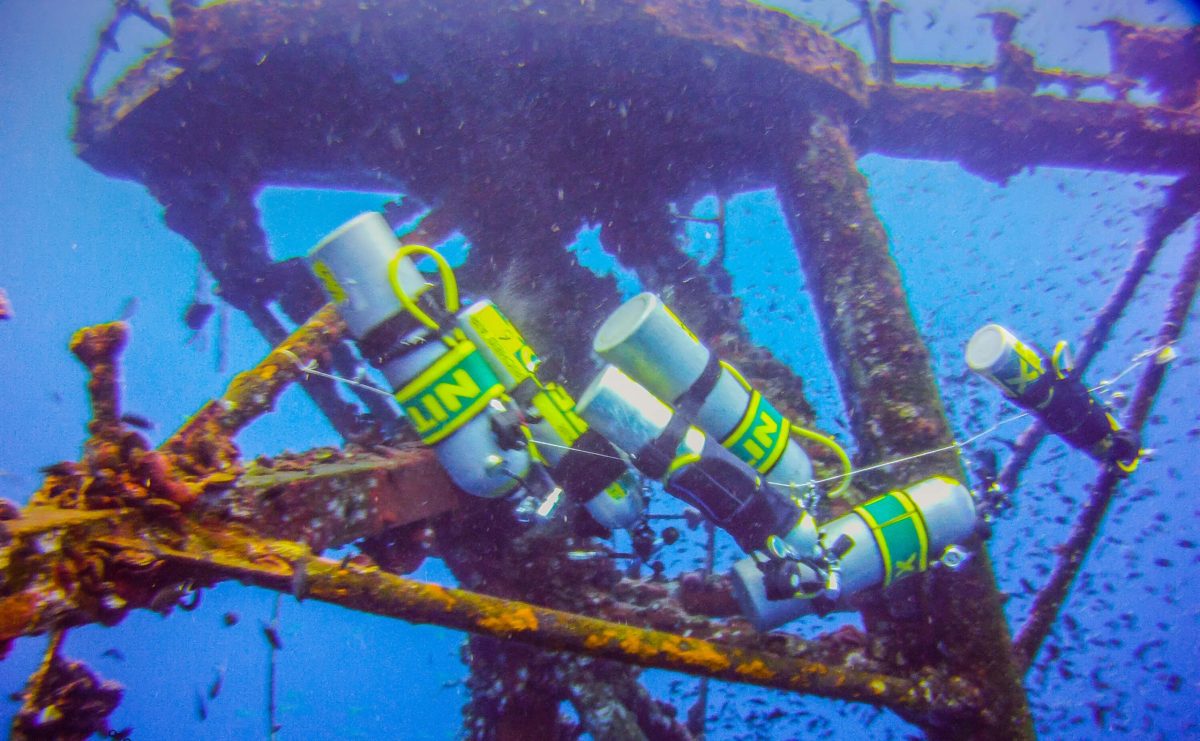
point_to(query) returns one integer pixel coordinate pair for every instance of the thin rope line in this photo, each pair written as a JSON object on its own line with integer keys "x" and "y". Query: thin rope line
{"x": 311, "y": 369}
{"x": 1103, "y": 385}
{"x": 956, "y": 445}
{"x": 578, "y": 450}
{"x": 952, "y": 446}
{"x": 1137, "y": 360}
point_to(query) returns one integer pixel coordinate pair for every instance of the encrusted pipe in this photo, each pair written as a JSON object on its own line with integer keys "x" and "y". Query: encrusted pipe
{"x": 98, "y": 347}
{"x": 895, "y": 409}
{"x": 253, "y": 392}
{"x": 377, "y": 592}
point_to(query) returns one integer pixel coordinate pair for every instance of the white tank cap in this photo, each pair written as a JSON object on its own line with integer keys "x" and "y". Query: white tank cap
{"x": 988, "y": 346}
{"x": 623, "y": 411}
{"x": 646, "y": 340}
{"x": 355, "y": 259}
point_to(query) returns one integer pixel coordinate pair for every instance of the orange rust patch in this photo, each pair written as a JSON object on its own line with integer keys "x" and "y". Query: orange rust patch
{"x": 693, "y": 653}
{"x": 440, "y": 595}
{"x": 597, "y": 640}
{"x": 635, "y": 646}
{"x": 510, "y": 621}
{"x": 756, "y": 670}
{"x": 877, "y": 687}
{"x": 17, "y": 612}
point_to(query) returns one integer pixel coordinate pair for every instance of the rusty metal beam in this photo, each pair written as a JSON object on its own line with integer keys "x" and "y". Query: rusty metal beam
{"x": 878, "y": 355}
{"x": 208, "y": 555}
{"x": 253, "y": 392}
{"x": 65, "y": 567}
{"x": 724, "y": 45}
{"x": 996, "y": 134}
{"x": 329, "y": 497}
{"x": 377, "y": 592}
{"x": 895, "y": 410}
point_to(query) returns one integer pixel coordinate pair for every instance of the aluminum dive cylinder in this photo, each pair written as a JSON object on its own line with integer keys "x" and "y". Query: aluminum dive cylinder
{"x": 444, "y": 384}
{"x": 691, "y": 465}
{"x": 890, "y": 537}
{"x": 587, "y": 467}
{"x": 646, "y": 340}
{"x": 1047, "y": 387}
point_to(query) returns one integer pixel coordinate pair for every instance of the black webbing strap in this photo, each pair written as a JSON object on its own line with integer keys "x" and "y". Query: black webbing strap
{"x": 386, "y": 341}
{"x": 588, "y": 467}
{"x": 690, "y": 401}
{"x": 655, "y": 458}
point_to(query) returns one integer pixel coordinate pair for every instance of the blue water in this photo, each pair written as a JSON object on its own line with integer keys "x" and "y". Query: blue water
{"x": 1039, "y": 254}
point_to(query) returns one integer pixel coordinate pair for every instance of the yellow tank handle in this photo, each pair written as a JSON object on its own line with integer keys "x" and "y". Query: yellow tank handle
{"x": 449, "y": 283}
{"x": 829, "y": 442}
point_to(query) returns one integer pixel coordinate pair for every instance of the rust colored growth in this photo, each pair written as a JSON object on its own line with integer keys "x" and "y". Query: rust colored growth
{"x": 203, "y": 456}
{"x": 374, "y": 591}
{"x": 118, "y": 473}
{"x": 98, "y": 348}
{"x": 63, "y": 567}
{"x": 328, "y": 498}
{"x": 65, "y": 700}
{"x": 118, "y": 468}
{"x": 18, "y": 613}
{"x": 253, "y": 392}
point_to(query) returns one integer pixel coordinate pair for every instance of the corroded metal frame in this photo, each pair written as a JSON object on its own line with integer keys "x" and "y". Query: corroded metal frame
{"x": 107, "y": 534}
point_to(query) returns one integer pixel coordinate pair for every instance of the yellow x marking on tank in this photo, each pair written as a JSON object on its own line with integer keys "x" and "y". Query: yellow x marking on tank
{"x": 906, "y": 566}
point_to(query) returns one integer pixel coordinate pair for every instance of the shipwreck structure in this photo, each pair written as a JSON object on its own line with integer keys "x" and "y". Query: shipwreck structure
{"x": 515, "y": 123}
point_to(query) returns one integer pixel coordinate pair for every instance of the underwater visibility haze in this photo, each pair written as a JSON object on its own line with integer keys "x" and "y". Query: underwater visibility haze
{"x": 610, "y": 369}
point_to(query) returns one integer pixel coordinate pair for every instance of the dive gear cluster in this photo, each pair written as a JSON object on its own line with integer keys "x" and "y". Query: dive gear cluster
{"x": 666, "y": 406}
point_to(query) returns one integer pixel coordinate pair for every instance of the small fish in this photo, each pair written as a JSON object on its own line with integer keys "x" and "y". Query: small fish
{"x": 985, "y": 467}
{"x": 230, "y": 619}
{"x": 171, "y": 596}
{"x": 1142, "y": 649}
{"x": 114, "y": 654}
{"x": 300, "y": 578}
{"x": 188, "y": 605}
{"x": 214, "y": 689}
{"x": 128, "y": 309}
{"x": 124, "y": 734}
{"x": 138, "y": 421}
{"x": 197, "y": 314}
{"x": 271, "y": 633}
{"x": 6, "y": 311}
{"x": 201, "y": 707}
